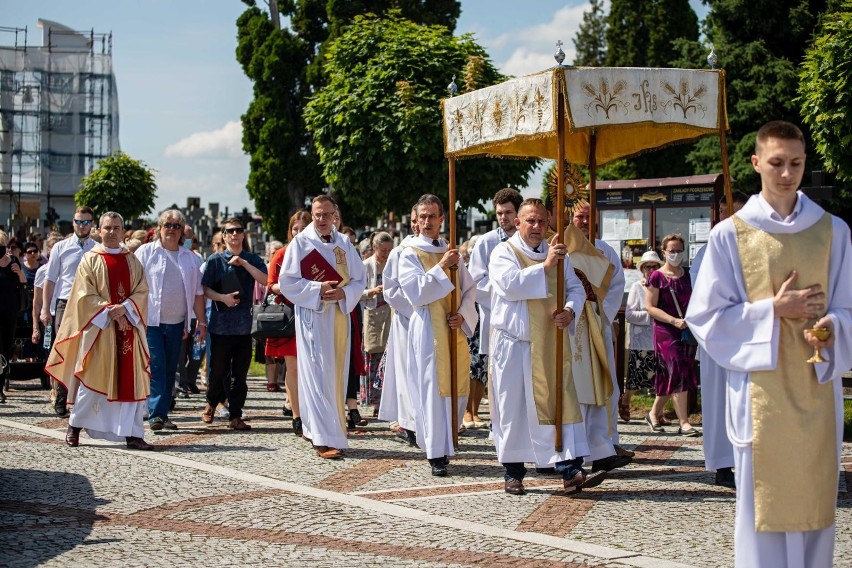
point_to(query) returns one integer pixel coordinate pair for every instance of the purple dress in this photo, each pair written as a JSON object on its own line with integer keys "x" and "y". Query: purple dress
{"x": 675, "y": 360}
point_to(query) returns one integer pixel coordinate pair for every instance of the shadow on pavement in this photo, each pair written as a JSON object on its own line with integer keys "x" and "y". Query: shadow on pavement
{"x": 44, "y": 514}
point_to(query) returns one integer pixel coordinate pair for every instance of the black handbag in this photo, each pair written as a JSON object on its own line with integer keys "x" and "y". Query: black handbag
{"x": 272, "y": 321}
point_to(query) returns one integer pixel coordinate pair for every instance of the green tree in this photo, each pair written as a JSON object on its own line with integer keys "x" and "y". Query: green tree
{"x": 121, "y": 184}
{"x": 760, "y": 63}
{"x": 282, "y": 162}
{"x": 825, "y": 93}
{"x": 285, "y": 67}
{"x": 590, "y": 41}
{"x": 377, "y": 123}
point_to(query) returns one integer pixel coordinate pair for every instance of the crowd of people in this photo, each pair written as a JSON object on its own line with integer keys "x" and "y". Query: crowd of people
{"x": 419, "y": 332}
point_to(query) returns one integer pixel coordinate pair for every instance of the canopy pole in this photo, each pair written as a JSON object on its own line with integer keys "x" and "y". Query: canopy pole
{"x": 593, "y": 174}
{"x": 723, "y": 144}
{"x": 559, "y": 210}
{"x": 454, "y": 302}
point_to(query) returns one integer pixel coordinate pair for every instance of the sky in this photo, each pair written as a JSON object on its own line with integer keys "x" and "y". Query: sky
{"x": 181, "y": 91}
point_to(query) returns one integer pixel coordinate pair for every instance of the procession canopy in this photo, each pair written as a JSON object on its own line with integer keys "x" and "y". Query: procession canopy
{"x": 629, "y": 109}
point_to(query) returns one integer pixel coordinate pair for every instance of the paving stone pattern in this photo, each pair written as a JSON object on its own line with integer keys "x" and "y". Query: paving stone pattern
{"x": 211, "y": 496}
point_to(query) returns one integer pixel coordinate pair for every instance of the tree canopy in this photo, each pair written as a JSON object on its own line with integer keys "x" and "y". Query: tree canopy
{"x": 825, "y": 93}
{"x": 377, "y": 123}
{"x": 590, "y": 41}
{"x": 121, "y": 184}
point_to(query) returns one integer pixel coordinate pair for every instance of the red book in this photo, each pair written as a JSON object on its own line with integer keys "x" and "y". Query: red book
{"x": 316, "y": 268}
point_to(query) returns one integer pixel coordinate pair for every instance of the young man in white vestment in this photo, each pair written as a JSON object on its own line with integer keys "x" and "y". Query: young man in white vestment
{"x": 774, "y": 271}
{"x": 322, "y": 303}
{"x": 506, "y": 203}
{"x": 598, "y": 267}
{"x": 424, "y": 275}
{"x": 395, "y": 405}
{"x": 524, "y": 320}
{"x": 718, "y": 451}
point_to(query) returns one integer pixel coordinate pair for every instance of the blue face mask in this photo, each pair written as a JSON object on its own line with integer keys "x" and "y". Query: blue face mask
{"x": 187, "y": 244}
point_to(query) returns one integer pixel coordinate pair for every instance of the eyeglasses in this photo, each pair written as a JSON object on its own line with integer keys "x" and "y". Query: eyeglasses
{"x": 322, "y": 216}
{"x": 83, "y": 222}
{"x": 235, "y": 231}
{"x": 32, "y": 251}
{"x": 175, "y": 226}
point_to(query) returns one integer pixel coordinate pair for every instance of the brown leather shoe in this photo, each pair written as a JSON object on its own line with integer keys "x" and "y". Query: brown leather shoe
{"x": 515, "y": 487}
{"x": 327, "y": 453}
{"x": 72, "y": 436}
{"x": 208, "y": 414}
{"x": 583, "y": 480}
{"x": 619, "y": 451}
{"x": 134, "y": 443}
{"x": 238, "y": 424}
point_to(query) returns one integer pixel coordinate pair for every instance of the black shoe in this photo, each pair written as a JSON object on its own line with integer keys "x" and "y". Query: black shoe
{"x": 61, "y": 411}
{"x": 297, "y": 427}
{"x": 355, "y": 419}
{"x": 439, "y": 466}
{"x": 610, "y": 463}
{"x": 439, "y": 470}
{"x": 288, "y": 412}
{"x": 412, "y": 439}
{"x": 193, "y": 388}
{"x": 725, "y": 478}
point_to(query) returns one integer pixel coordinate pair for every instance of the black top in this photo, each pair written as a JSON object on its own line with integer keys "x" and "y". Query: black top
{"x": 10, "y": 298}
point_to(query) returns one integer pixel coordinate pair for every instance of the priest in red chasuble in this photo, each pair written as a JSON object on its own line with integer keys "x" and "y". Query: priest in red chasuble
{"x": 101, "y": 352}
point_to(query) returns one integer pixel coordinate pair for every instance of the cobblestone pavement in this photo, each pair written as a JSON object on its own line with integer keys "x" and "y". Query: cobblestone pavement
{"x": 211, "y": 496}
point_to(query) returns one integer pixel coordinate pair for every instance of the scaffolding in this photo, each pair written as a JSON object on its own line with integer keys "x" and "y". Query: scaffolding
{"x": 58, "y": 117}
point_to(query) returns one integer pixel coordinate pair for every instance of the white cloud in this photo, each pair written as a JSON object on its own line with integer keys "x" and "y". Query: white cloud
{"x": 223, "y": 143}
{"x": 532, "y": 48}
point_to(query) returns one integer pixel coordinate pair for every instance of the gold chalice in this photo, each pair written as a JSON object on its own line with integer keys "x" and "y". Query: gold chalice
{"x": 821, "y": 333}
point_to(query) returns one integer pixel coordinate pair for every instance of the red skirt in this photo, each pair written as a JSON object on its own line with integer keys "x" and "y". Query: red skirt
{"x": 281, "y": 347}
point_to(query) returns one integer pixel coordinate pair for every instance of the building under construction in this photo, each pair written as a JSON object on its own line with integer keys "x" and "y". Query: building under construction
{"x": 58, "y": 117}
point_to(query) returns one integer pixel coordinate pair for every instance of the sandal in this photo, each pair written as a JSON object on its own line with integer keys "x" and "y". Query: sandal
{"x": 689, "y": 432}
{"x": 623, "y": 410}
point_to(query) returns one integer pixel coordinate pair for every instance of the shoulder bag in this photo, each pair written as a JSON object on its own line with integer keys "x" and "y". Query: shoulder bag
{"x": 272, "y": 321}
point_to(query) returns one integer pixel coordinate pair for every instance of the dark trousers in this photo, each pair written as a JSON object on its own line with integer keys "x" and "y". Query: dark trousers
{"x": 567, "y": 469}
{"x": 8, "y": 323}
{"x": 230, "y": 356}
{"x": 61, "y": 391}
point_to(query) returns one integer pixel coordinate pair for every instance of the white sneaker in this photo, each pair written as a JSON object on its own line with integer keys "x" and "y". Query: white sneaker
{"x": 223, "y": 413}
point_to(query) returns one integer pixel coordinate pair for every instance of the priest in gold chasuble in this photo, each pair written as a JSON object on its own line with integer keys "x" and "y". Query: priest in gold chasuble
{"x": 777, "y": 268}
{"x": 101, "y": 351}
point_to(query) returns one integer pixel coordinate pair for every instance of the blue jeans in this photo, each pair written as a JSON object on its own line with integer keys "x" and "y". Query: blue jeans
{"x": 164, "y": 343}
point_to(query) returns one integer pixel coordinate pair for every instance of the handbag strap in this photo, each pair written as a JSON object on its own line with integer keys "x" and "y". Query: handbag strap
{"x": 677, "y": 304}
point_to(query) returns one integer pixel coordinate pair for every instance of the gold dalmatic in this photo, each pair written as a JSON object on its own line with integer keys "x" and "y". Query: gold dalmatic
{"x": 795, "y": 439}
{"x": 439, "y": 310}
{"x": 543, "y": 355}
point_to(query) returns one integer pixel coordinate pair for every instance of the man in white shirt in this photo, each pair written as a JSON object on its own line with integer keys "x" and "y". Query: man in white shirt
{"x": 61, "y": 269}
{"x": 174, "y": 295}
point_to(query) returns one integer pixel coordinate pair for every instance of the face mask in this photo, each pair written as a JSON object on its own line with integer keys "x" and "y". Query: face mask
{"x": 187, "y": 243}
{"x": 674, "y": 258}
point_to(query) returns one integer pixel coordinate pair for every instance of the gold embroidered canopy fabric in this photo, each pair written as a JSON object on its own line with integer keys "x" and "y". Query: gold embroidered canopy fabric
{"x": 629, "y": 109}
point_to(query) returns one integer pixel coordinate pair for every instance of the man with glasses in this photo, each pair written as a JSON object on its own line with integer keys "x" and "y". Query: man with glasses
{"x": 101, "y": 354}
{"x": 228, "y": 280}
{"x": 174, "y": 295}
{"x": 324, "y": 277}
{"x": 61, "y": 269}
